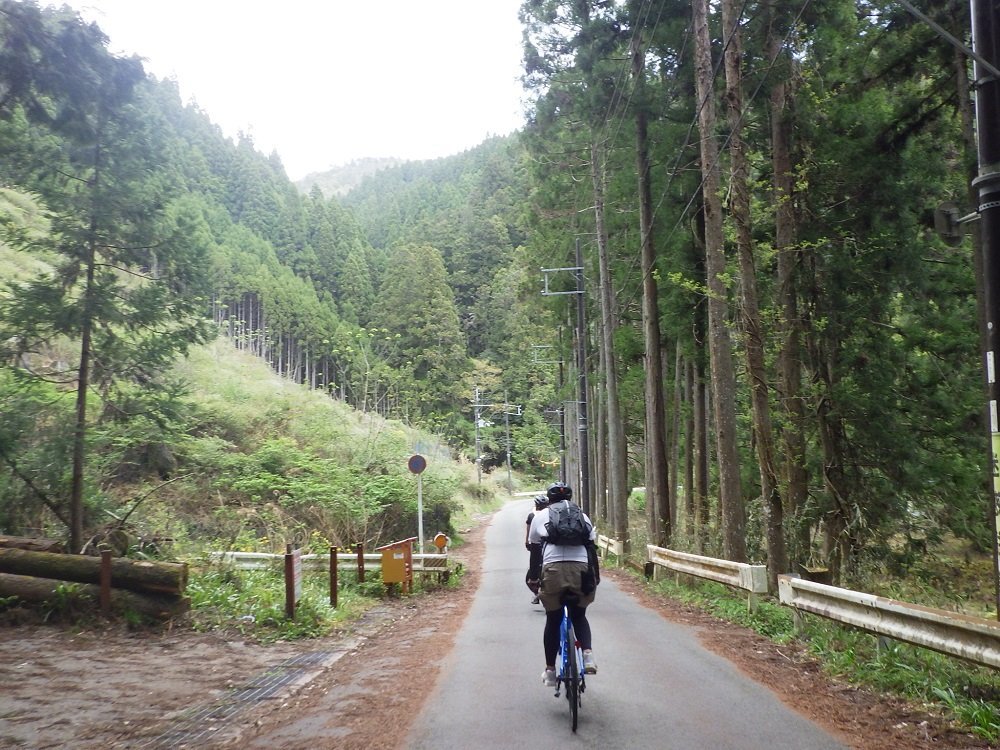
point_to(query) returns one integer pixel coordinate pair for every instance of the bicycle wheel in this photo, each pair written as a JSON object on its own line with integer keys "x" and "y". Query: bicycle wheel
{"x": 572, "y": 677}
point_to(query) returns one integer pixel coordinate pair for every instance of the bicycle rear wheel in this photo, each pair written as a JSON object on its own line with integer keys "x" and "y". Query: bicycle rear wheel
{"x": 573, "y": 677}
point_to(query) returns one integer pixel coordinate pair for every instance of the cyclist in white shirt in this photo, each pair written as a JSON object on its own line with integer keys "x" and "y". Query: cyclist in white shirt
{"x": 567, "y": 576}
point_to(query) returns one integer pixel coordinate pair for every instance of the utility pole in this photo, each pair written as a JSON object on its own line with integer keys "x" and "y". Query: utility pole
{"x": 506, "y": 427}
{"x": 560, "y": 411}
{"x": 562, "y": 416}
{"x": 986, "y": 44}
{"x": 506, "y": 420}
{"x": 581, "y": 354}
{"x": 581, "y": 360}
{"x": 477, "y": 410}
{"x": 476, "y": 413}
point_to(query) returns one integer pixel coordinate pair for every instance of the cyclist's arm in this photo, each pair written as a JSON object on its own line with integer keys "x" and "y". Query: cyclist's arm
{"x": 537, "y": 532}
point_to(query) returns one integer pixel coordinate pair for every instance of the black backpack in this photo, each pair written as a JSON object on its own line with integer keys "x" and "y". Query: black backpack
{"x": 566, "y": 524}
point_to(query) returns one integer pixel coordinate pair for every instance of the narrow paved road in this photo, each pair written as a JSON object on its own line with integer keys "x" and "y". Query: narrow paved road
{"x": 656, "y": 686}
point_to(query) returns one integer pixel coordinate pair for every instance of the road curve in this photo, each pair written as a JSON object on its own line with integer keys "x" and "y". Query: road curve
{"x": 656, "y": 686}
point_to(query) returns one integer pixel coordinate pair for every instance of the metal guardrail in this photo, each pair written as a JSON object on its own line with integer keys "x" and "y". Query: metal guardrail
{"x": 265, "y": 560}
{"x": 750, "y": 578}
{"x": 971, "y": 638}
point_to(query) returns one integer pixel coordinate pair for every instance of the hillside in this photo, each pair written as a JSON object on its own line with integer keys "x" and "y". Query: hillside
{"x": 282, "y": 463}
{"x": 340, "y": 180}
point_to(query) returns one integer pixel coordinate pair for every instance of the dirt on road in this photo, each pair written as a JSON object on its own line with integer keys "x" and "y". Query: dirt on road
{"x": 114, "y": 689}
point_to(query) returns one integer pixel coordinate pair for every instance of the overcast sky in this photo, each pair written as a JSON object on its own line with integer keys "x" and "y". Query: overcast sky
{"x": 323, "y": 82}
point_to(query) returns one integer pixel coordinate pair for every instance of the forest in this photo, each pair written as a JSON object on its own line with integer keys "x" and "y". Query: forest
{"x": 749, "y": 311}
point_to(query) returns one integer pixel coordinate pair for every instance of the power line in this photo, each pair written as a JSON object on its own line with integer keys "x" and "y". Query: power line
{"x": 951, "y": 39}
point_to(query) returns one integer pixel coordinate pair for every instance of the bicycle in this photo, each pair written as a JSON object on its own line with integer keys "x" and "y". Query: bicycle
{"x": 569, "y": 667}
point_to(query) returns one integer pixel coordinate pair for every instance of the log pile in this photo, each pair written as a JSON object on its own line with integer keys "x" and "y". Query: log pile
{"x": 35, "y": 544}
{"x": 151, "y": 606}
{"x": 153, "y": 589}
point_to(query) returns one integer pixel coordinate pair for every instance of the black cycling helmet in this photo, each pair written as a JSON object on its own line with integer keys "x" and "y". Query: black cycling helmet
{"x": 540, "y": 502}
{"x": 558, "y": 492}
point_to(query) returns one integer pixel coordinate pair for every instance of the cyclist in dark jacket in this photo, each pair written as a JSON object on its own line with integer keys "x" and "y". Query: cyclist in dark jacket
{"x": 534, "y": 575}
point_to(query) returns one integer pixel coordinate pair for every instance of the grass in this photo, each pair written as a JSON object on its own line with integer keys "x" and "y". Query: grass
{"x": 967, "y": 694}
{"x": 252, "y": 603}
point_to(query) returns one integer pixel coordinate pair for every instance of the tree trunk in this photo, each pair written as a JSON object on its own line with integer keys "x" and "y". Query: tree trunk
{"x": 157, "y": 607}
{"x": 839, "y": 517}
{"x": 31, "y": 543}
{"x": 689, "y": 506}
{"x": 82, "y": 389}
{"x": 135, "y": 575}
{"x": 657, "y": 468}
{"x": 702, "y": 507}
{"x": 838, "y": 541}
{"x": 617, "y": 457}
{"x": 753, "y": 327}
{"x": 674, "y": 443}
{"x": 573, "y": 445}
{"x": 600, "y": 430}
{"x": 719, "y": 343}
{"x": 789, "y": 355}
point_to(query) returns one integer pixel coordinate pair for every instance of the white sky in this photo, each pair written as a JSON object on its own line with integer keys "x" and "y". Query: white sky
{"x": 323, "y": 82}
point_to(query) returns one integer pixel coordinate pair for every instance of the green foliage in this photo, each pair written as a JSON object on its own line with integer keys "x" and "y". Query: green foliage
{"x": 416, "y": 301}
{"x": 305, "y": 469}
{"x": 67, "y": 605}
{"x": 911, "y": 672}
{"x": 637, "y": 501}
{"x": 771, "y": 620}
{"x": 981, "y": 715}
{"x": 253, "y": 604}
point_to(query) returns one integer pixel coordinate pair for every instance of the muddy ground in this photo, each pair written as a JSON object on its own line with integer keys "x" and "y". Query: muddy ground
{"x": 115, "y": 689}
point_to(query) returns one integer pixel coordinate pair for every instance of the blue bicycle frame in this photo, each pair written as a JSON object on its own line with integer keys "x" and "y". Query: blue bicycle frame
{"x": 569, "y": 666}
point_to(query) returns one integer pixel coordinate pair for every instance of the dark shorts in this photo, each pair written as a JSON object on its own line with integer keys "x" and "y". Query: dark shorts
{"x": 562, "y": 579}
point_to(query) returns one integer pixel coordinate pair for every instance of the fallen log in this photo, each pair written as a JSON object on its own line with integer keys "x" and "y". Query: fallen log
{"x": 35, "y": 544}
{"x": 143, "y": 576}
{"x": 155, "y": 607}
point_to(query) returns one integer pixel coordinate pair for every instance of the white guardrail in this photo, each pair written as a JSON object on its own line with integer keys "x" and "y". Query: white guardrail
{"x": 965, "y": 636}
{"x": 373, "y": 561}
{"x": 750, "y": 578}
{"x": 609, "y": 545}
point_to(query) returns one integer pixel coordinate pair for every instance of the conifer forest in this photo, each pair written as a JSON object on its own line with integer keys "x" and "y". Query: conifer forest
{"x": 707, "y": 265}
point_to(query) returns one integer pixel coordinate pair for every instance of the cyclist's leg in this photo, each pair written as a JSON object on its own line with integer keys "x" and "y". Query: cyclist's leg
{"x": 550, "y": 636}
{"x": 580, "y": 624}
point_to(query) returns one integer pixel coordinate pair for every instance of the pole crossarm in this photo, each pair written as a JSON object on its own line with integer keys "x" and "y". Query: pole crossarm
{"x": 546, "y": 292}
{"x": 505, "y": 407}
{"x": 535, "y": 354}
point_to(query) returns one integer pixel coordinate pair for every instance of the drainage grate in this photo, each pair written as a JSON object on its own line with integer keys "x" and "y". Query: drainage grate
{"x": 198, "y": 725}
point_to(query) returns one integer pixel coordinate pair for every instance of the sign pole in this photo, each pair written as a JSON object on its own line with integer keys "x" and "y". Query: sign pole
{"x": 416, "y": 465}
{"x": 420, "y": 514}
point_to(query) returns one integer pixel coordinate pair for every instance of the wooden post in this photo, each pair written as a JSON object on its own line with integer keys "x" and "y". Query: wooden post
{"x": 289, "y": 583}
{"x": 360, "y": 549}
{"x": 333, "y": 577}
{"x": 105, "y": 581}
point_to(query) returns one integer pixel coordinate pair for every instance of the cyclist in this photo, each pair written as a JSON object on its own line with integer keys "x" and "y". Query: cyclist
{"x": 534, "y": 574}
{"x": 565, "y": 573}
